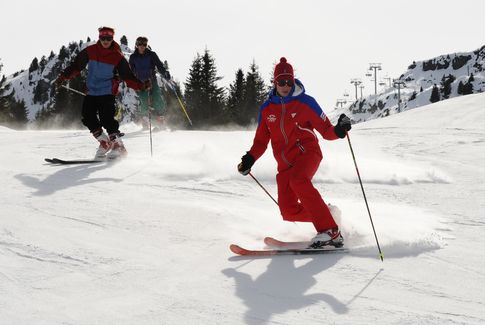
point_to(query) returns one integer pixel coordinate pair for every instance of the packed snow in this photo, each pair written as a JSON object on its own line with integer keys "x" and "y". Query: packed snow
{"x": 145, "y": 240}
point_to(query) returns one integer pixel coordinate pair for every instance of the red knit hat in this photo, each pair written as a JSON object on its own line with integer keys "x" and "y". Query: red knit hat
{"x": 106, "y": 31}
{"x": 283, "y": 71}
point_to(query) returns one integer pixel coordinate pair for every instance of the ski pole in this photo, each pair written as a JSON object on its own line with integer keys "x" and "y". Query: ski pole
{"x": 365, "y": 199}
{"x": 74, "y": 90}
{"x": 263, "y": 188}
{"x": 150, "y": 120}
{"x": 180, "y": 102}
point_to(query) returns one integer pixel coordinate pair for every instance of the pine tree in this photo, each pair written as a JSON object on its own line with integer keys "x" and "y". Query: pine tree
{"x": 193, "y": 92}
{"x": 63, "y": 53}
{"x": 19, "y": 114}
{"x": 204, "y": 99}
{"x": 460, "y": 88}
{"x": 12, "y": 112}
{"x": 255, "y": 94}
{"x": 468, "y": 87}
{"x": 34, "y": 65}
{"x": 2, "y": 81}
{"x": 446, "y": 85}
{"x": 42, "y": 63}
{"x": 65, "y": 110}
{"x": 3, "y": 104}
{"x": 435, "y": 94}
{"x": 41, "y": 91}
{"x": 47, "y": 116}
{"x": 73, "y": 46}
{"x": 214, "y": 94}
{"x": 235, "y": 101}
{"x": 413, "y": 96}
{"x": 124, "y": 40}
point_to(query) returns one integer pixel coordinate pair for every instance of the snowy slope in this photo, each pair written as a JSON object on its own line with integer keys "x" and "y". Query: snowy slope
{"x": 145, "y": 240}
{"x": 417, "y": 85}
{"x": 24, "y": 83}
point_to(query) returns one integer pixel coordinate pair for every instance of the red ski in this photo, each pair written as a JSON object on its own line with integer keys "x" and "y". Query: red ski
{"x": 270, "y": 241}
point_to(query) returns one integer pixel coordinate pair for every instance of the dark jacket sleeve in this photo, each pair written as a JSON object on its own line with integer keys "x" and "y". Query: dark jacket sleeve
{"x": 158, "y": 63}
{"x": 127, "y": 75}
{"x": 76, "y": 66}
{"x": 132, "y": 63}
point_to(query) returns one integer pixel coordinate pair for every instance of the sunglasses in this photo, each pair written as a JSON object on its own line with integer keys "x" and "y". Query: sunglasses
{"x": 141, "y": 44}
{"x": 283, "y": 83}
{"x": 106, "y": 38}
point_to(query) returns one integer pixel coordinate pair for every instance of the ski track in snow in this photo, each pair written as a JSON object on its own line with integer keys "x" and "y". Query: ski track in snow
{"x": 107, "y": 243}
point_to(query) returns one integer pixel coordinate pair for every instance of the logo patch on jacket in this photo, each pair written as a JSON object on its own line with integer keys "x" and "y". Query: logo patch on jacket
{"x": 271, "y": 118}
{"x": 293, "y": 115}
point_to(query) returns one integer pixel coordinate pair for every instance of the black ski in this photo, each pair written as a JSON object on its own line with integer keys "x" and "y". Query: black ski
{"x": 72, "y": 162}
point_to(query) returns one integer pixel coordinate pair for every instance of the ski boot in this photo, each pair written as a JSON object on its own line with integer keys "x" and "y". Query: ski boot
{"x": 118, "y": 148}
{"x": 329, "y": 237}
{"x": 104, "y": 144}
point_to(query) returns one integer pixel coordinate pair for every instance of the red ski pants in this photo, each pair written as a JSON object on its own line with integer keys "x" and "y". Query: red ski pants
{"x": 298, "y": 200}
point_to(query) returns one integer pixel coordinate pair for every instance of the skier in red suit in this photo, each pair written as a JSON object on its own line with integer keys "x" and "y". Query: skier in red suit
{"x": 288, "y": 118}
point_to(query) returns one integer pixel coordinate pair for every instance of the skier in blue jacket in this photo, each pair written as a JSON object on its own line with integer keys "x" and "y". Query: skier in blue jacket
{"x": 102, "y": 60}
{"x": 143, "y": 63}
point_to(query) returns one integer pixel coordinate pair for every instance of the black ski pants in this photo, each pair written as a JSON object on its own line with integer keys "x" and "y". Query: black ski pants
{"x": 99, "y": 111}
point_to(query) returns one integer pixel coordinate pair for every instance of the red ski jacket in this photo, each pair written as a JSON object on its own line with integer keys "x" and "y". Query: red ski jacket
{"x": 289, "y": 123}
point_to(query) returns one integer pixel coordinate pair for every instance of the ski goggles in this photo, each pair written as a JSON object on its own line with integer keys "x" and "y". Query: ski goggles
{"x": 284, "y": 82}
{"x": 106, "y": 38}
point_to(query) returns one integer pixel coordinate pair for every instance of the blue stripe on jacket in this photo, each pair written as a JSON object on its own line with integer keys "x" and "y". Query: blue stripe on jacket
{"x": 100, "y": 78}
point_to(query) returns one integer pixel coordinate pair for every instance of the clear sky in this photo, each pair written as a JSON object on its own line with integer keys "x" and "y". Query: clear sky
{"x": 327, "y": 42}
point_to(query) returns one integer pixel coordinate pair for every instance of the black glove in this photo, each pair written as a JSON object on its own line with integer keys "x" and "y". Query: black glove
{"x": 244, "y": 167}
{"x": 167, "y": 75}
{"x": 343, "y": 125}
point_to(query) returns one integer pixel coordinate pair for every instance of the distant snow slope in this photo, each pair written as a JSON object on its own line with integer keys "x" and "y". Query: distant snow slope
{"x": 145, "y": 240}
{"x": 450, "y": 73}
